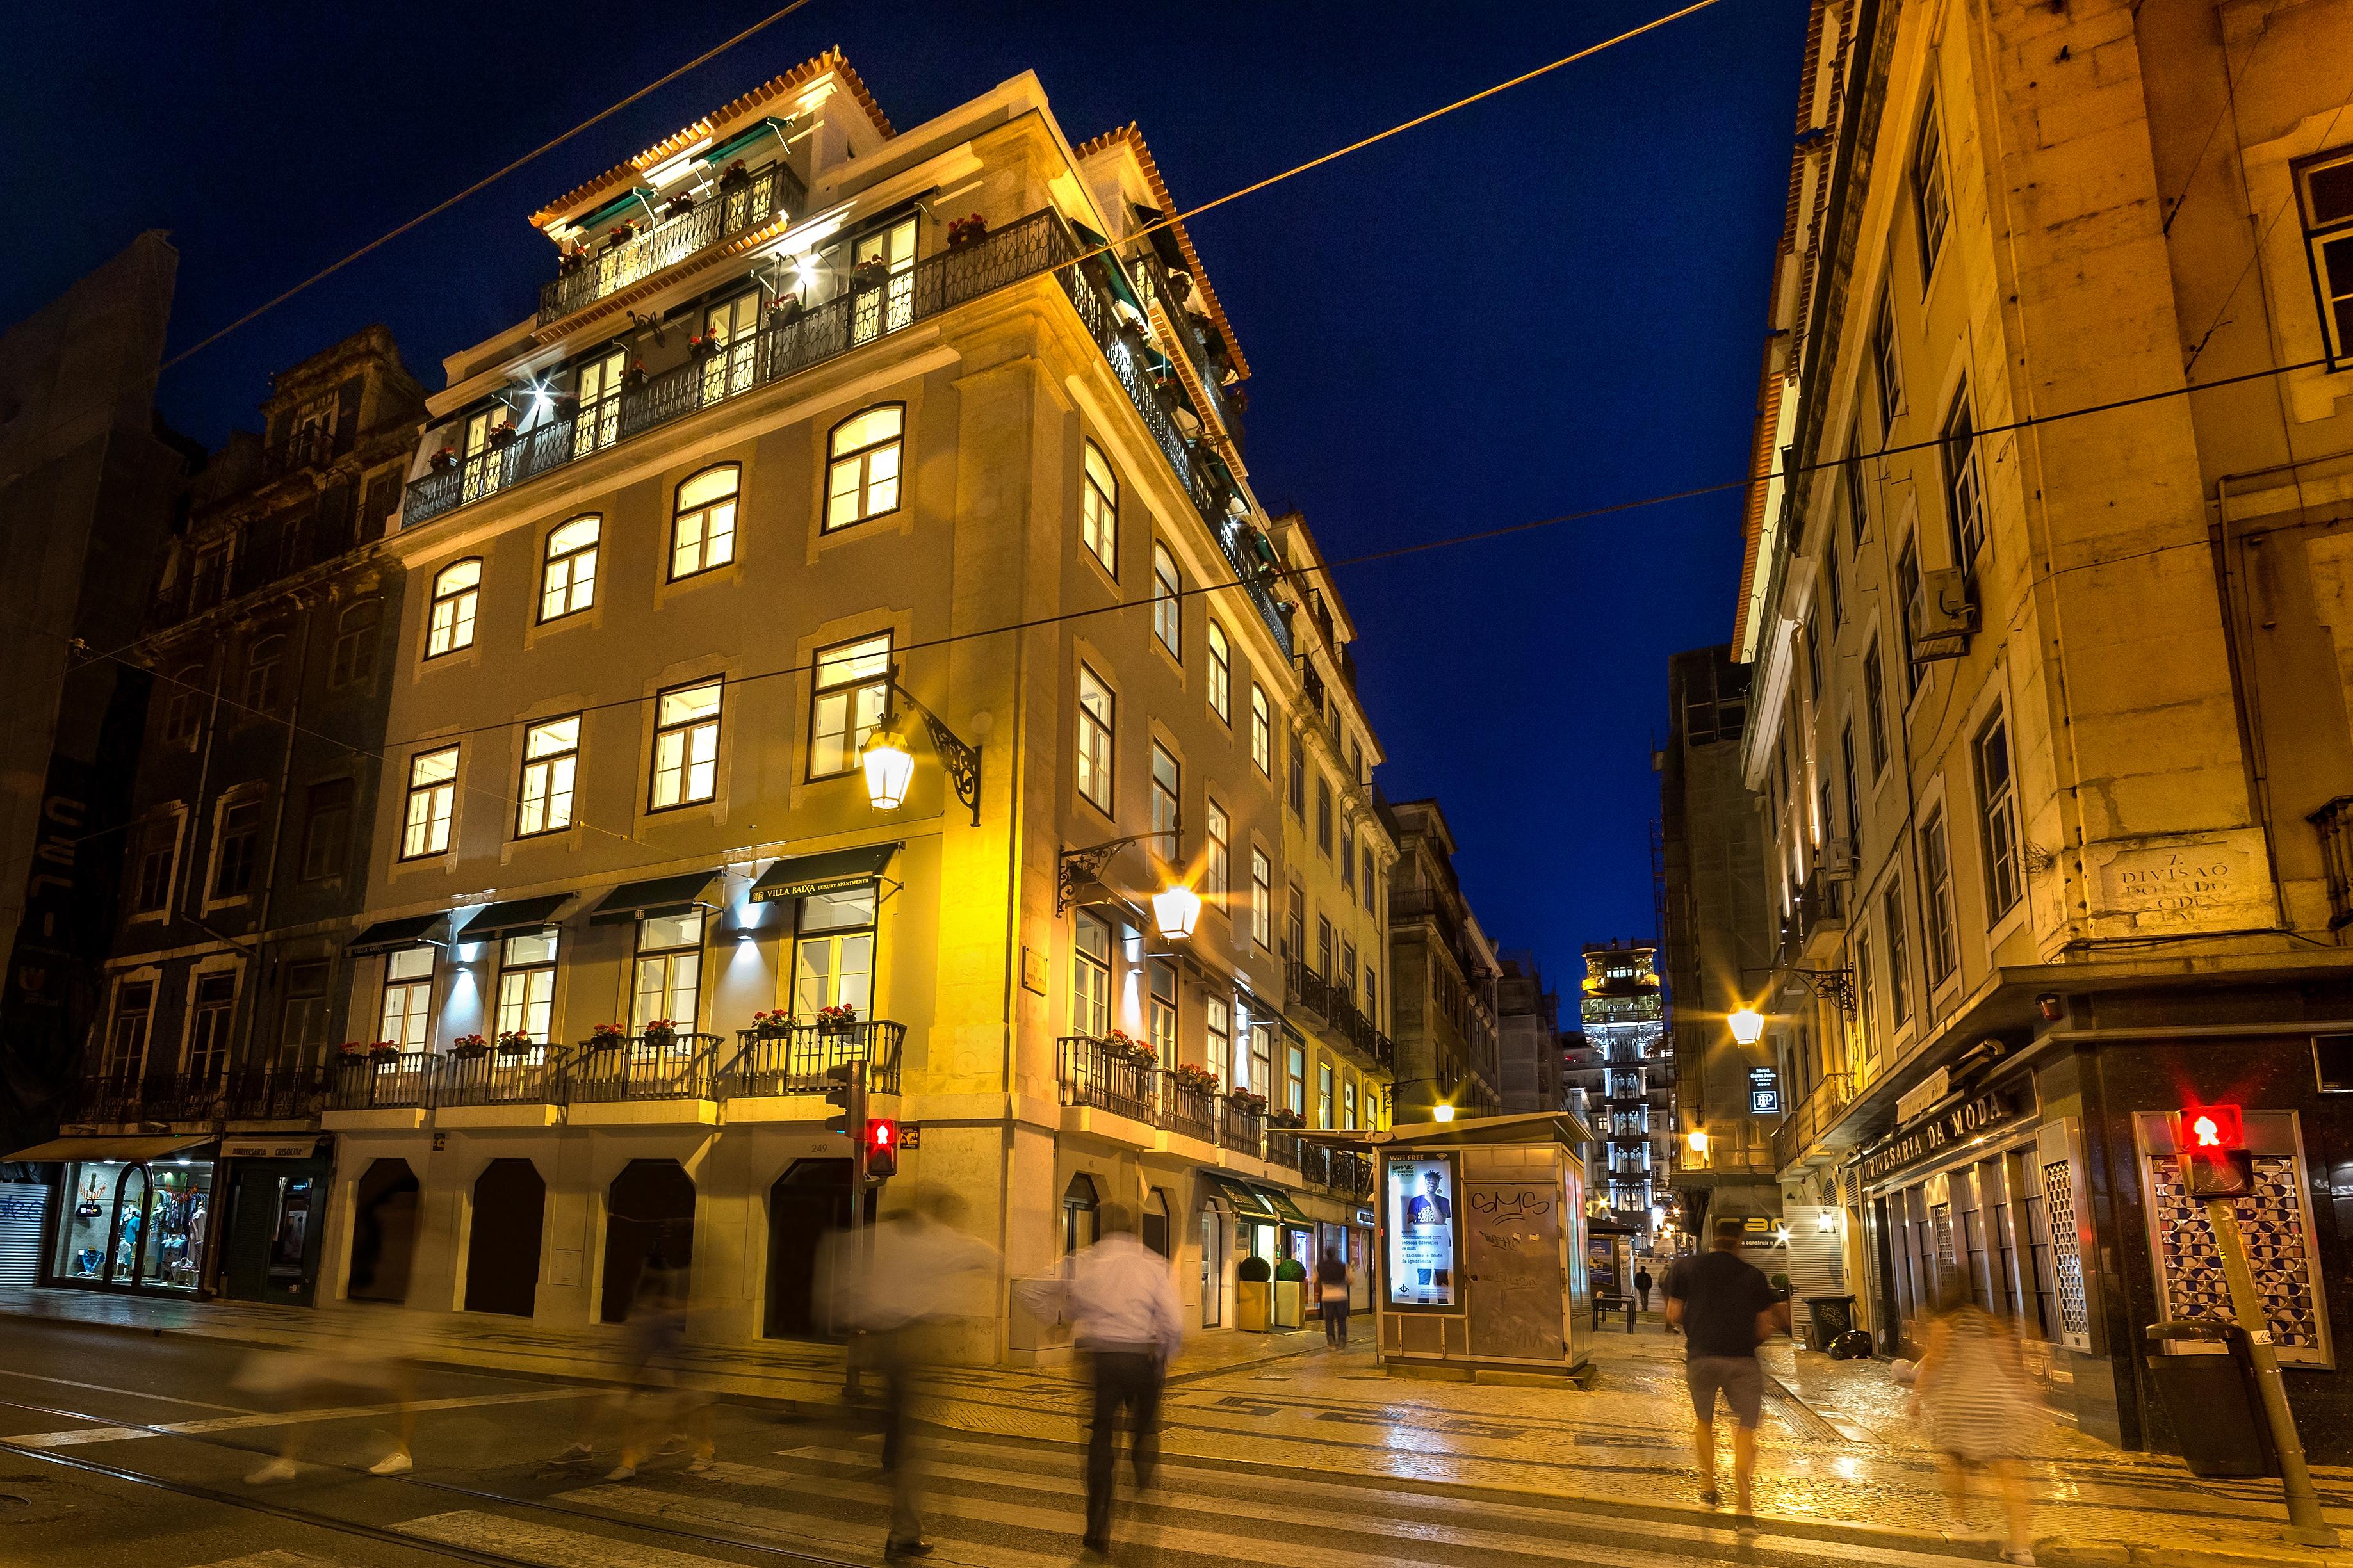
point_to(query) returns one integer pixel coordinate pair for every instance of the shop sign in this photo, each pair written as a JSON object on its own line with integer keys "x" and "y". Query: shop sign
{"x": 911, "y": 1135}
{"x": 1366, "y": 1218}
{"x": 1922, "y": 1094}
{"x": 269, "y": 1149}
{"x": 1935, "y": 1134}
{"x": 1765, "y": 1091}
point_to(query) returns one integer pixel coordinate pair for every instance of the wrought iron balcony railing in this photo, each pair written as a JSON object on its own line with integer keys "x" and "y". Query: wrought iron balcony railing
{"x": 1190, "y": 1111}
{"x": 534, "y": 1076}
{"x": 1240, "y": 1127}
{"x": 1284, "y": 1147}
{"x": 725, "y": 212}
{"x": 1804, "y": 1126}
{"x": 403, "y": 1080}
{"x": 277, "y": 1092}
{"x": 795, "y": 1061}
{"x": 1109, "y": 1077}
{"x": 644, "y": 1067}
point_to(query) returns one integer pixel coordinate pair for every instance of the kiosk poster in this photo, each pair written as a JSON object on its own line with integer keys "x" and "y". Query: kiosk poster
{"x": 1421, "y": 1232}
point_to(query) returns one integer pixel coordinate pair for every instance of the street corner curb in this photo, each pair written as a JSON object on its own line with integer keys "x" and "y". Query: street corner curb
{"x": 2067, "y": 1552}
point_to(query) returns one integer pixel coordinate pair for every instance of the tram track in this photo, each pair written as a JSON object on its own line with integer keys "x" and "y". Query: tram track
{"x": 386, "y": 1534}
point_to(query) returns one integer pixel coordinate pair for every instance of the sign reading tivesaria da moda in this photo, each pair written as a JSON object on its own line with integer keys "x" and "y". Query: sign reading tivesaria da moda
{"x": 1421, "y": 1235}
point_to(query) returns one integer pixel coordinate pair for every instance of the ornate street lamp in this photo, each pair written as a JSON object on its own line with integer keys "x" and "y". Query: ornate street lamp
{"x": 1747, "y": 1026}
{"x": 1175, "y": 908}
{"x": 890, "y": 767}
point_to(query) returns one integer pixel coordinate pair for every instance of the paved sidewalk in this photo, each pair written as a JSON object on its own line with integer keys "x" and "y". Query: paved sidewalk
{"x": 1839, "y": 1448}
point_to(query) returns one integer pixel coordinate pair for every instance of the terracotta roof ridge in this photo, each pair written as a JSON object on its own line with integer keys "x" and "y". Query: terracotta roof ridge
{"x": 1132, "y": 135}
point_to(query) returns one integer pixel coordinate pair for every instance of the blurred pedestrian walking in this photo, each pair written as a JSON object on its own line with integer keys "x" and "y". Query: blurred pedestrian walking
{"x": 373, "y": 1363}
{"x": 1726, "y": 1309}
{"x": 1642, "y": 1283}
{"x": 1332, "y": 1288}
{"x": 1978, "y": 1407}
{"x": 655, "y": 1407}
{"x": 924, "y": 1274}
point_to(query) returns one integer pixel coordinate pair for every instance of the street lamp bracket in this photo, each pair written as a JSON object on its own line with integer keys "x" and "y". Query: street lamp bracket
{"x": 1078, "y": 866}
{"x": 959, "y": 761}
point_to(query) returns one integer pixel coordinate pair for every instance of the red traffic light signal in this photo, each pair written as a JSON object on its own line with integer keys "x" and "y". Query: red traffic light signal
{"x": 2211, "y": 1142}
{"x": 882, "y": 1148}
{"x": 2212, "y": 1130}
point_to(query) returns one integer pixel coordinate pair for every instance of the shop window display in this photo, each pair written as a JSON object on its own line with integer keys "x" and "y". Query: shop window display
{"x": 136, "y": 1225}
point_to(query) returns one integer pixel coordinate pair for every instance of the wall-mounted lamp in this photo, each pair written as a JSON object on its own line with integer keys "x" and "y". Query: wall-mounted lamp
{"x": 1747, "y": 1026}
{"x": 890, "y": 767}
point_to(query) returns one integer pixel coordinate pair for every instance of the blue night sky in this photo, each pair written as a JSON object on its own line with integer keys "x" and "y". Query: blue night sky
{"x": 1551, "y": 300}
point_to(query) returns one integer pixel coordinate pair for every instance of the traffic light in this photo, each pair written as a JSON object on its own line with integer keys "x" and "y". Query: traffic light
{"x": 2211, "y": 1141}
{"x": 882, "y": 1148}
{"x": 845, "y": 1090}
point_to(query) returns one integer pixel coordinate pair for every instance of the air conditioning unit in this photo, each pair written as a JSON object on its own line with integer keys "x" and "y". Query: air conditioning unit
{"x": 1836, "y": 861}
{"x": 1944, "y": 617}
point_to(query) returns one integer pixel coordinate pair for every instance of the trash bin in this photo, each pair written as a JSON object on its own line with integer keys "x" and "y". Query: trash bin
{"x": 1828, "y": 1316}
{"x": 2216, "y": 1412}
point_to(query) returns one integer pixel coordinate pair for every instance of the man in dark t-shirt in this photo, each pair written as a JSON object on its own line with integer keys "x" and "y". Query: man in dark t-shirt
{"x": 1726, "y": 1309}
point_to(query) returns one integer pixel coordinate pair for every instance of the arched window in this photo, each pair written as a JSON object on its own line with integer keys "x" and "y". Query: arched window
{"x": 451, "y": 624}
{"x": 184, "y": 716}
{"x": 568, "y": 581}
{"x": 1221, "y": 674}
{"x": 353, "y": 659}
{"x": 261, "y": 665}
{"x": 1080, "y": 1214}
{"x": 1098, "y": 510}
{"x": 702, "y": 528}
{"x": 862, "y": 465}
{"x": 1165, "y": 602}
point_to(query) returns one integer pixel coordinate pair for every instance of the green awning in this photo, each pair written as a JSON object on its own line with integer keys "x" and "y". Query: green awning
{"x": 390, "y": 936}
{"x": 513, "y": 918}
{"x": 658, "y": 896}
{"x": 629, "y": 201}
{"x": 1280, "y": 1202}
{"x": 152, "y": 1146}
{"x": 743, "y": 142}
{"x": 799, "y": 876}
{"x": 1245, "y": 1199}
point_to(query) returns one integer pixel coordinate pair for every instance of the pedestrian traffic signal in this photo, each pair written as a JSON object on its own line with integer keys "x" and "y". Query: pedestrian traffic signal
{"x": 882, "y": 1148}
{"x": 2211, "y": 1141}
{"x": 845, "y": 1090}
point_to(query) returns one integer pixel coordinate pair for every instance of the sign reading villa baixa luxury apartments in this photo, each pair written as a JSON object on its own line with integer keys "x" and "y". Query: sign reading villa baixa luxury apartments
{"x": 1948, "y": 1128}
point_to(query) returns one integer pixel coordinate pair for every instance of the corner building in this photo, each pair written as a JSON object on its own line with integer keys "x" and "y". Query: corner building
{"x": 820, "y": 427}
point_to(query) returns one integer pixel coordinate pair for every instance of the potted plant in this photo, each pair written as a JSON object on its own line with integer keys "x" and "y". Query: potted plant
{"x": 1244, "y": 1100}
{"x": 469, "y": 1047}
{"x": 1285, "y": 1118}
{"x": 703, "y": 345}
{"x": 384, "y": 1051}
{"x": 735, "y": 178}
{"x": 501, "y": 437}
{"x": 1195, "y": 1078}
{"x": 608, "y": 1037}
{"x": 352, "y": 1054}
{"x": 784, "y": 312}
{"x": 619, "y": 233}
{"x": 1253, "y": 1294}
{"x": 514, "y": 1042}
{"x": 871, "y": 273}
{"x": 772, "y": 1025}
{"x": 838, "y": 1022}
{"x": 966, "y": 230}
{"x": 663, "y": 1033}
{"x": 443, "y": 460}
{"x": 1290, "y": 1293}
{"x": 633, "y": 379}
{"x": 677, "y": 206}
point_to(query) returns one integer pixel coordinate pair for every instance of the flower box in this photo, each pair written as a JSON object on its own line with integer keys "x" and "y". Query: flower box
{"x": 967, "y": 230}
{"x": 772, "y": 1025}
{"x": 607, "y": 1037}
{"x": 515, "y": 1043}
{"x": 469, "y": 1047}
{"x": 838, "y": 1023}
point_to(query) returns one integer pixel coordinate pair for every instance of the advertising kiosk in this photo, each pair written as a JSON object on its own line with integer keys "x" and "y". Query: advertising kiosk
{"x": 1482, "y": 1246}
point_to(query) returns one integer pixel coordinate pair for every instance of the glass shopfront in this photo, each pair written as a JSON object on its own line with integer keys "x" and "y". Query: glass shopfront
{"x": 135, "y": 1223}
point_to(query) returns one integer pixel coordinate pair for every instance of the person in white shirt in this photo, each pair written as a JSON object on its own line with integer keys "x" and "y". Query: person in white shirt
{"x": 1125, "y": 1319}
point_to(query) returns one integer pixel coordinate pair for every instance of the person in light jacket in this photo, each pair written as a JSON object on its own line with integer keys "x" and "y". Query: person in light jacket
{"x": 1120, "y": 1300}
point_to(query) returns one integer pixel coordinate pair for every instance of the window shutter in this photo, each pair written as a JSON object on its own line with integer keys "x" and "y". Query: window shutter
{"x": 347, "y": 415}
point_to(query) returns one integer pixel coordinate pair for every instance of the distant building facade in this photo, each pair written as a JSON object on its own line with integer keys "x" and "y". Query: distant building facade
{"x": 1624, "y": 1019}
{"x": 1527, "y": 1037}
{"x": 1444, "y": 973}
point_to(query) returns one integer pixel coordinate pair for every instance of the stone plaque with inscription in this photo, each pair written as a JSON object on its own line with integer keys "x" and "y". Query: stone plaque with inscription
{"x": 2208, "y": 881}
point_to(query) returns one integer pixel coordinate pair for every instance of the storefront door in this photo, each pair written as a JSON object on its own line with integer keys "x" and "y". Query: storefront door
{"x": 1213, "y": 1268}
{"x": 130, "y": 1223}
{"x": 269, "y": 1250}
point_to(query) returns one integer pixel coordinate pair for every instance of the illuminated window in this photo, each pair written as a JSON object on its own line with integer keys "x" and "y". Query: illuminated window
{"x": 1166, "y": 617}
{"x": 406, "y": 1019}
{"x": 527, "y": 984}
{"x": 833, "y": 953}
{"x": 1221, "y": 674}
{"x": 668, "y": 980}
{"x": 1167, "y": 784}
{"x": 1091, "y": 976}
{"x": 567, "y": 582}
{"x": 1098, "y": 510}
{"x": 1262, "y": 731}
{"x": 852, "y": 694}
{"x": 1261, "y": 899}
{"x": 702, "y": 527}
{"x": 1096, "y": 709}
{"x": 686, "y": 746}
{"x": 449, "y": 623}
{"x": 862, "y": 465}
{"x": 1219, "y": 874}
{"x": 432, "y": 797}
{"x": 1163, "y": 1013}
{"x": 551, "y": 755}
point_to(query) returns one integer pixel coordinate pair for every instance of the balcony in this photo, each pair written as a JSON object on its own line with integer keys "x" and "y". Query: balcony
{"x": 2334, "y": 822}
{"x": 1110, "y": 1077}
{"x": 1818, "y": 910}
{"x": 724, "y": 214}
{"x": 1803, "y": 1127}
{"x": 1188, "y": 1112}
{"x": 1307, "y": 989}
{"x": 796, "y": 1060}
{"x": 1240, "y": 1127}
{"x": 274, "y": 1093}
{"x": 535, "y": 1077}
{"x": 401, "y": 1081}
{"x": 1284, "y": 1147}
{"x": 642, "y": 1067}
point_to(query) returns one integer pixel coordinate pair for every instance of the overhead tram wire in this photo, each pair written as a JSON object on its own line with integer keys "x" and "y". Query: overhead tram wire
{"x": 1366, "y": 558}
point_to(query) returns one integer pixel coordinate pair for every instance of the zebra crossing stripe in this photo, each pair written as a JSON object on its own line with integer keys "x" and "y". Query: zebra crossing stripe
{"x": 547, "y": 1545}
{"x": 814, "y": 1529}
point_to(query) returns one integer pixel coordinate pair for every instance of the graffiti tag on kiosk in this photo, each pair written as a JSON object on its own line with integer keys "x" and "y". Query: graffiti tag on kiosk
{"x": 1527, "y": 1202}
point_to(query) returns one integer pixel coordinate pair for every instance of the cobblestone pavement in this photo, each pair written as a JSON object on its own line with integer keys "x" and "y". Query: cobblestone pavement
{"x": 1839, "y": 1446}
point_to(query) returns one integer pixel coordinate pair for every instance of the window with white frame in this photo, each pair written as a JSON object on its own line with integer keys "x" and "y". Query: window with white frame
{"x": 1161, "y": 1011}
{"x": 211, "y": 1004}
{"x": 666, "y": 981}
{"x": 686, "y": 746}
{"x": 703, "y": 522}
{"x": 1372, "y": 1003}
{"x": 1323, "y": 815}
{"x": 1854, "y": 782}
{"x": 1262, "y": 1061}
{"x": 1885, "y": 365}
{"x": 2324, "y": 189}
{"x": 1899, "y": 972}
{"x": 1866, "y": 990}
{"x": 1936, "y": 899}
{"x": 1964, "y": 501}
{"x": 236, "y": 846}
{"x": 1298, "y": 795}
{"x": 527, "y": 984}
{"x": 1218, "y": 1032}
{"x": 567, "y": 578}
{"x": 1294, "y": 1077}
{"x": 158, "y": 849}
{"x": 833, "y": 953}
{"x": 1099, "y": 509}
{"x": 1091, "y": 976}
{"x": 1167, "y": 623}
{"x": 1262, "y": 731}
{"x": 1323, "y": 1098}
{"x": 1998, "y": 816}
{"x": 1874, "y": 708}
{"x": 1348, "y": 852}
{"x": 449, "y": 622}
{"x": 352, "y": 657}
{"x": 1910, "y": 607}
{"x": 126, "y": 1043}
{"x": 862, "y": 459}
{"x": 1168, "y": 793}
{"x": 1221, "y": 674}
{"x": 550, "y": 758}
{"x": 432, "y": 799}
{"x": 1366, "y": 877}
{"x": 1348, "y": 1102}
{"x": 597, "y": 384}
{"x": 1928, "y": 188}
{"x": 407, "y": 1016}
{"x": 851, "y": 694}
{"x": 1261, "y": 899}
{"x": 1218, "y": 873}
{"x": 1097, "y": 708}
